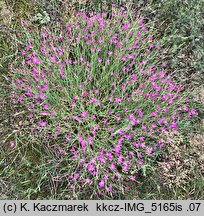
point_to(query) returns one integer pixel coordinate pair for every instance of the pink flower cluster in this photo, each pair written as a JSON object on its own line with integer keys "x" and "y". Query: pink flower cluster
{"x": 102, "y": 102}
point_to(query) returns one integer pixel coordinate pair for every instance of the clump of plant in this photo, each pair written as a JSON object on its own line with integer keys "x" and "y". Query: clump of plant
{"x": 95, "y": 87}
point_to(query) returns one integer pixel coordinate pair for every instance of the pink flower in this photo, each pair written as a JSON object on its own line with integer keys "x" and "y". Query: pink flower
{"x": 81, "y": 59}
{"x": 90, "y": 139}
{"x": 84, "y": 115}
{"x": 120, "y": 159}
{"x": 83, "y": 143}
{"x": 90, "y": 167}
{"x": 58, "y": 128}
{"x": 12, "y": 144}
{"x": 125, "y": 167}
{"x": 42, "y": 123}
{"x": 101, "y": 183}
{"x": 93, "y": 117}
{"x": 62, "y": 74}
{"x": 135, "y": 144}
{"x": 68, "y": 61}
{"x": 45, "y": 87}
{"x": 20, "y": 98}
{"x": 28, "y": 47}
{"x": 101, "y": 159}
{"x": 118, "y": 100}
{"x": 131, "y": 153}
{"x": 132, "y": 178}
{"x": 36, "y": 60}
{"x": 194, "y": 112}
{"x": 112, "y": 166}
{"x": 125, "y": 27}
{"x": 89, "y": 78}
{"x": 123, "y": 58}
{"x": 108, "y": 188}
{"x": 154, "y": 114}
{"x": 30, "y": 116}
{"x": 69, "y": 28}
{"x": 140, "y": 113}
{"x": 93, "y": 132}
{"x": 52, "y": 112}
{"x": 44, "y": 113}
{"x": 148, "y": 150}
{"x": 144, "y": 127}
{"x": 142, "y": 145}
{"x": 76, "y": 175}
{"x": 154, "y": 126}
{"x": 123, "y": 69}
{"x": 118, "y": 117}
{"x": 42, "y": 96}
{"x": 35, "y": 70}
{"x": 99, "y": 59}
{"x": 158, "y": 107}
{"x": 73, "y": 104}
{"x": 87, "y": 181}
{"x": 105, "y": 120}
{"x": 61, "y": 150}
{"x": 93, "y": 100}
{"x": 133, "y": 76}
{"x": 75, "y": 61}
{"x": 96, "y": 127}
{"x": 165, "y": 110}
{"x": 84, "y": 94}
{"x": 117, "y": 148}
{"x": 174, "y": 125}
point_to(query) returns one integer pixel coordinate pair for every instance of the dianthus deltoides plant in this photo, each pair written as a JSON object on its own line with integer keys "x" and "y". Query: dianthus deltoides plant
{"x": 92, "y": 86}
